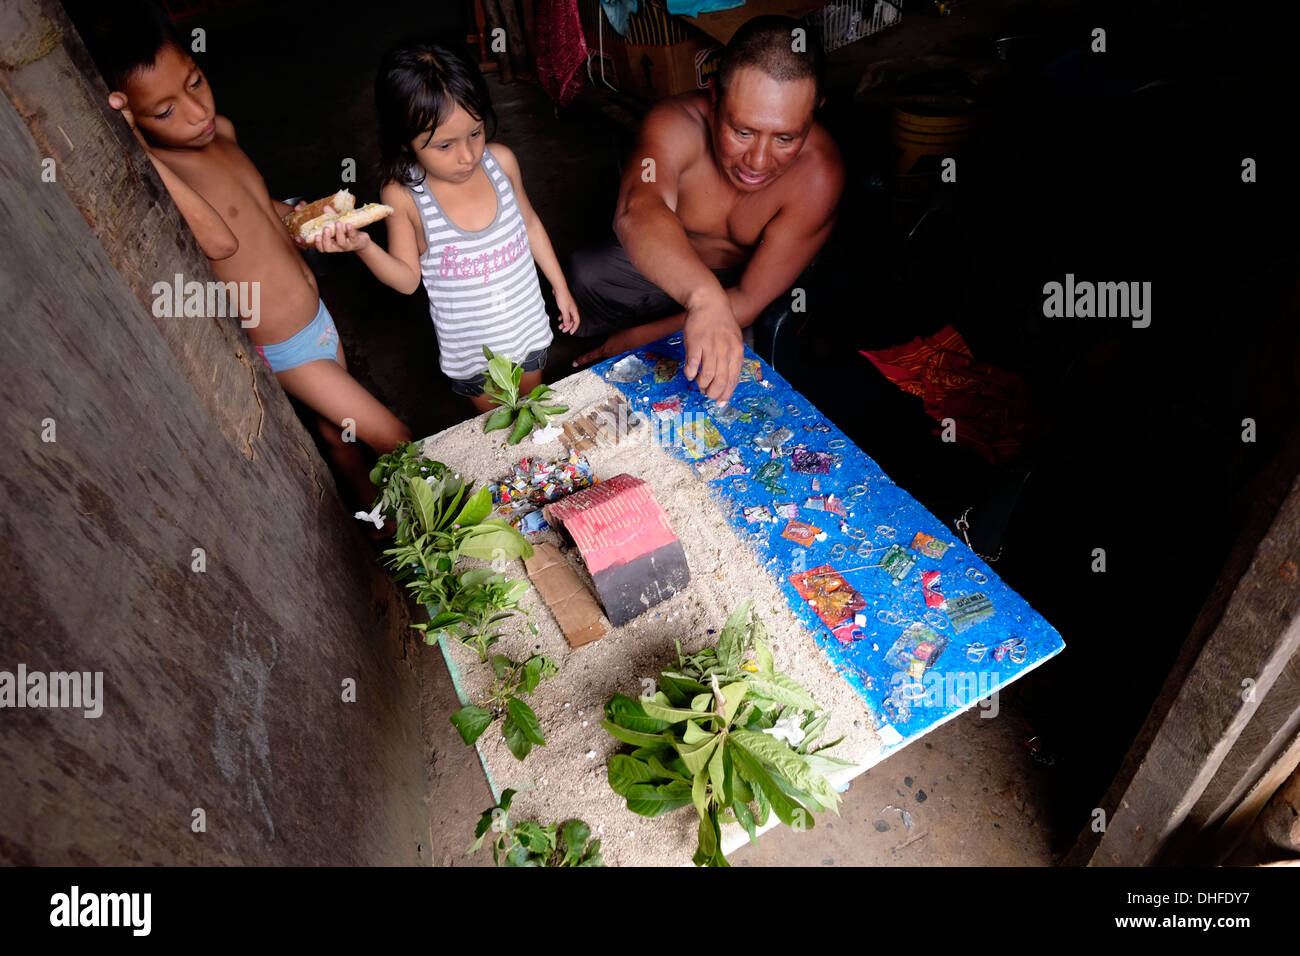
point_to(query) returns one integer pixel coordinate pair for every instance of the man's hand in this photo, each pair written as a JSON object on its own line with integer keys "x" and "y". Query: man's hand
{"x": 714, "y": 347}
{"x": 569, "y": 320}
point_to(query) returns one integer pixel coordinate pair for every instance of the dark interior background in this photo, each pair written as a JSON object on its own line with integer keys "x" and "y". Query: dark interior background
{"x": 1117, "y": 167}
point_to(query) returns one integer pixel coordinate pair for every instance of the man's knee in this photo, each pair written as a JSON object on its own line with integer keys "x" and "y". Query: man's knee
{"x": 585, "y": 273}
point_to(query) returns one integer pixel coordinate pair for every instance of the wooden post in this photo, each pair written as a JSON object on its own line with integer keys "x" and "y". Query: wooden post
{"x": 170, "y": 528}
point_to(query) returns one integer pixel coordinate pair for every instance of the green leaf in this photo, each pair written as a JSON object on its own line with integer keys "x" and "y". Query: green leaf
{"x": 537, "y": 667}
{"x": 554, "y": 409}
{"x": 471, "y": 722}
{"x": 693, "y": 733}
{"x": 679, "y": 689}
{"x": 538, "y": 391}
{"x": 501, "y": 418}
{"x": 696, "y": 756}
{"x": 718, "y": 775}
{"x": 702, "y": 702}
{"x": 516, "y": 376}
{"x": 700, "y": 795}
{"x": 783, "y": 690}
{"x": 732, "y": 695}
{"x": 592, "y": 857}
{"x": 518, "y": 743}
{"x": 477, "y": 507}
{"x": 425, "y": 504}
{"x": 648, "y": 801}
{"x": 745, "y": 817}
{"x": 660, "y": 770}
{"x": 526, "y": 719}
{"x": 573, "y": 838}
{"x": 763, "y": 658}
{"x": 523, "y": 425}
{"x": 767, "y": 789}
{"x": 489, "y": 541}
{"x": 659, "y": 709}
{"x": 625, "y": 772}
{"x": 500, "y": 370}
{"x": 635, "y": 738}
{"x": 776, "y": 754}
{"x": 629, "y": 713}
{"x": 535, "y": 837}
{"x": 501, "y": 665}
{"x": 812, "y": 729}
{"x": 731, "y": 644}
{"x": 477, "y": 576}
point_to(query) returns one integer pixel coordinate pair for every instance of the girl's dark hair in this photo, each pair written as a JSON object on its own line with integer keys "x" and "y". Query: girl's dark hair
{"x": 123, "y": 37}
{"x": 418, "y": 86}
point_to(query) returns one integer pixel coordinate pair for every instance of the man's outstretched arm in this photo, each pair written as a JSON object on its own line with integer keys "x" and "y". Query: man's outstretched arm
{"x": 648, "y": 228}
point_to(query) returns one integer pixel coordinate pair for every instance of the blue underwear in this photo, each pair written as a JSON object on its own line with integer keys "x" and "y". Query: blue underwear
{"x": 317, "y": 340}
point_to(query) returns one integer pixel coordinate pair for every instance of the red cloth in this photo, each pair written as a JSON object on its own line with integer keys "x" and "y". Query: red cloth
{"x": 561, "y": 49}
{"x": 987, "y": 403}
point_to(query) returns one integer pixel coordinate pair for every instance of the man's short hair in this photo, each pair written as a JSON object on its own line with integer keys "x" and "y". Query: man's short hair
{"x": 123, "y": 37}
{"x": 768, "y": 43}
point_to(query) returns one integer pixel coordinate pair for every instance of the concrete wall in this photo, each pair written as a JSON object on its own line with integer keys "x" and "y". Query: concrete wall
{"x": 223, "y": 690}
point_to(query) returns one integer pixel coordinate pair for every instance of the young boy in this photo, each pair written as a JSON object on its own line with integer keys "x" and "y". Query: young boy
{"x": 165, "y": 99}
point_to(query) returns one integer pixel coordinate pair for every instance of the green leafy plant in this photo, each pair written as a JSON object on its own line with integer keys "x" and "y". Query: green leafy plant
{"x": 440, "y": 518}
{"x": 531, "y": 844}
{"x": 728, "y": 733}
{"x": 520, "y": 415}
{"x": 476, "y": 601}
{"x": 520, "y": 725}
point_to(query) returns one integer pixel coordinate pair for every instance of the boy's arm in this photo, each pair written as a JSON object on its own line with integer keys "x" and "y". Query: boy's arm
{"x": 543, "y": 252}
{"x": 214, "y": 237}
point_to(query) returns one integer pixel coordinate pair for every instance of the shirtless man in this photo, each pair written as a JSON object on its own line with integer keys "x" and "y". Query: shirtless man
{"x": 726, "y": 200}
{"x": 165, "y": 98}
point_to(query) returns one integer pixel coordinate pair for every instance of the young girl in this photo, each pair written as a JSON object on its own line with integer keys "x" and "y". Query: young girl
{"x": 462, "y": 223}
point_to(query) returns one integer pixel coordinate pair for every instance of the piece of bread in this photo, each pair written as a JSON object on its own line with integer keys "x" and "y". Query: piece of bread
{"x": 310, "y": 222}
{"x": 341, "y": 202}
{"x": 364, "y": 216}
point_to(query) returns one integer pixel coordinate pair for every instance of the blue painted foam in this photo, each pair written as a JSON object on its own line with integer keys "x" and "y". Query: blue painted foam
{"x": 953, "y": 682}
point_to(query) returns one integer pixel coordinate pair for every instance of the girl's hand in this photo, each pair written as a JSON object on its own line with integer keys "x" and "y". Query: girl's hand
{"x": 569, "y": 320}
{"x": 341, "y": 237}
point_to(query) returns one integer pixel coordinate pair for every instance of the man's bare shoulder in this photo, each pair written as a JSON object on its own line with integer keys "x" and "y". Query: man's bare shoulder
{"x": 820, "y": 169}
{"x": 680, "y": 123}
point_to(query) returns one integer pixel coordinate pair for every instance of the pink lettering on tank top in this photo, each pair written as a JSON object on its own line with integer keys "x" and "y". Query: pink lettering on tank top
{"x": 486, "y": 263}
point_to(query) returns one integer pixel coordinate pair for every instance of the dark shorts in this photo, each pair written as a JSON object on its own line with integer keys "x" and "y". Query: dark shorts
{"x": 612, "y": 295}
{"x": 472, "y": 387}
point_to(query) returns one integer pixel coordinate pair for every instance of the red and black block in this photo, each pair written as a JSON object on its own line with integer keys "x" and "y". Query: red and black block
{"x": 629, "y": 548}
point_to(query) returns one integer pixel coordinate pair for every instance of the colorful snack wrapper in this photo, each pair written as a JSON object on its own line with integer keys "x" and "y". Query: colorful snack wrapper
{"x": 751, "y": 370}
{"x": 768, "y": 474}
{"x": 723, "y": 464}
{"x": 897, "y": 563}
{"x": 812, "y": 462}
{"x": 968, "y": 610}
{"x": 829, "y": 595}
{"x": 669, "y": 407}
{"x": 701, "y": 437}
{"x": 916, "y": 650}
{"x": 800, "y": 532}
{"x": 929, "y": 545}
{"x": 930, "y": 589}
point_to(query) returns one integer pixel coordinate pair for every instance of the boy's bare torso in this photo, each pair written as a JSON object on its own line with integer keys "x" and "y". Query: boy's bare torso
{"x": 723, "y": 224}
{"x": 224, "y": 176}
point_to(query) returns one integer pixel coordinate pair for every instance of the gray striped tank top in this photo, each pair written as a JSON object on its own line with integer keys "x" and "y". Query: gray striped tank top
{"x": 482, "y": 285}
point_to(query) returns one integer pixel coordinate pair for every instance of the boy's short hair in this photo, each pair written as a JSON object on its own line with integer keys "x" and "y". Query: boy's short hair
{"x": 768, "y": 44}
{"x": 124, "y": 36}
